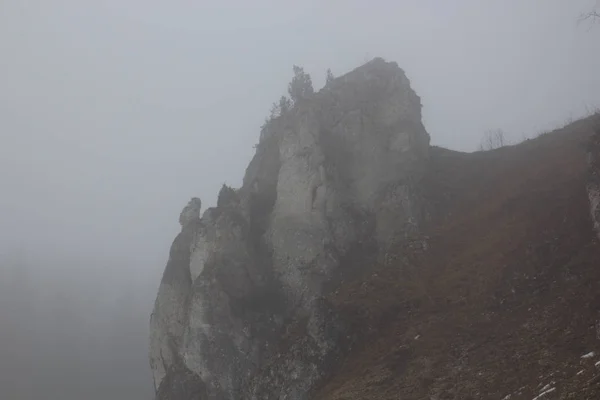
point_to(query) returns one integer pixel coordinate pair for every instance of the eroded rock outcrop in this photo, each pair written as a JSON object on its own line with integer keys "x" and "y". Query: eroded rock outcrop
{"x": 191, "y": 212}
{"x": 593, "y": 185}
{"x": 241, "y": 309}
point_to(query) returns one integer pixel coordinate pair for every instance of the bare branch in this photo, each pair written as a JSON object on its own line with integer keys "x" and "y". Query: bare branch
{"x": 592, "y": 16}
{"x": 493, "y": 139}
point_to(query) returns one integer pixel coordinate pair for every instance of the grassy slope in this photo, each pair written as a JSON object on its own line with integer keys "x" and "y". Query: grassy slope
{"x": 505, "y": 297}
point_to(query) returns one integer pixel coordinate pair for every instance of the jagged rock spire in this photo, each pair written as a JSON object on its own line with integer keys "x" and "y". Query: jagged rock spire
{"x": 190, "y": 212}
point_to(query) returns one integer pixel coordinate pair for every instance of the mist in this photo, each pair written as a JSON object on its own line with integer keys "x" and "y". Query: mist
{"x": 113, "y": 114}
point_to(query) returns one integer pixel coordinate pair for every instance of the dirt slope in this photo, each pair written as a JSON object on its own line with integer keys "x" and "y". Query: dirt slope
{"x": 501, "y": 295}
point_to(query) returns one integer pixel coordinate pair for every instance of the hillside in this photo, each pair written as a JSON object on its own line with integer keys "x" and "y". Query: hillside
{"x": 502, "y": 301}
{"x": 359, "y": 262}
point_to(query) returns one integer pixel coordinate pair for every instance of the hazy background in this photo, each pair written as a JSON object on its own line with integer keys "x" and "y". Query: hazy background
{"x": 114, "y": 113}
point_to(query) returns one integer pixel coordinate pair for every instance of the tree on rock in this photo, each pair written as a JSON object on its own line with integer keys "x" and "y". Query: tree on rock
{"x": 284, "y": 105}
{"x": 280, "y": 108}
{"x": 301, "y": 85}
{"x": 493, "y": 139}
{"x": 329, "y": 77}
{"x": 227, "y": 196}
{"x": 275, "y": 111}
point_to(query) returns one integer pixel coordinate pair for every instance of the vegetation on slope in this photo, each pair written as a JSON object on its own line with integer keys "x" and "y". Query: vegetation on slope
{"x": 500, "y": 295}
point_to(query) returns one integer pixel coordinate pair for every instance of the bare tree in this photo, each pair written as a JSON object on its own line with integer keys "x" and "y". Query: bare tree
{"x": 493, "y": 139}
{"x": 592, "y": 16}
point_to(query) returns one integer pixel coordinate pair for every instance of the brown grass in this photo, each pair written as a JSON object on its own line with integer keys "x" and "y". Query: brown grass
{"x": 508, "y": 289}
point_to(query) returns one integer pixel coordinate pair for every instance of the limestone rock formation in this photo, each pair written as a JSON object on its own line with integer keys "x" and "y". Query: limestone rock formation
{"x": 191, "y": 211}
{"x": 593, "y": 186}
{"x": 241, "y": 311}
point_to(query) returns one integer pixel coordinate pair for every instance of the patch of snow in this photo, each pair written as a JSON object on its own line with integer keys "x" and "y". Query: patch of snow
{"x": 580, "y": 372}
{"x": 588, "y": 355}
{"x": 544, "y": 393}
{"x": 597, "y": 364}
{"x": 545, "y": 388}
{"x": 508, "y": 396}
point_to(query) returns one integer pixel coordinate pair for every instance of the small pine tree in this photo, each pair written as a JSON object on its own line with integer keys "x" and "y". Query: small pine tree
{"x": 279, "y": 108}
{"x": 275, "y": 111}
{"x": 301, "y": 85}
{"x": 284, "y": 105}
{"x": 227, "y": 196}
{"x": 329, "y": 77}
{"x": 263, "y": 130}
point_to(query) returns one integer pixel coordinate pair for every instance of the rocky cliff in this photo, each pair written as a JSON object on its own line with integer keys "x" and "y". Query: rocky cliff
{"x": 358, "y": 262}
{"x": 242, "y": 309}
{"x": 593, "y": 186}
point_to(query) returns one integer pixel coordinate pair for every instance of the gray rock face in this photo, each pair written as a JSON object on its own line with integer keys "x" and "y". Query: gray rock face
{"x": 241, "y": 310}
{"x": 593, "y": 185}
{"x": 190, "y": 212}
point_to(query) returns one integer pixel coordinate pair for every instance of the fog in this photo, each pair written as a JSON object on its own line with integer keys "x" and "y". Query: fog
{"x": 114, "y": 113}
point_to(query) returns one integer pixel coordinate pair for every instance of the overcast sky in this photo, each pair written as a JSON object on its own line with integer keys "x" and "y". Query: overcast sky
{"x": 114, "y": 113}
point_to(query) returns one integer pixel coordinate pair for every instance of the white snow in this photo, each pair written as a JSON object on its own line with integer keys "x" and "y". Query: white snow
{"x": 545, "y": 388}
{"x": 589, "y": 355}
{"x": 544, "y": 393}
